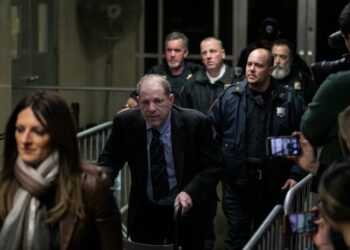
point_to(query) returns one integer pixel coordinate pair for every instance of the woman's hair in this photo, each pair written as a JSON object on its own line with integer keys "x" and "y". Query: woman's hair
{"x": 344, "y": 20}
{"x": 54, "y": 114}
{"x": 334, "y": 191}
{"x": 344, "y": 124}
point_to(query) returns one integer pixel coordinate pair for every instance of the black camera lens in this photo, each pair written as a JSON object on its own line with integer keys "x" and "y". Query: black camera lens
{"x": 336, "y": 40}
{"x": 321, "y": 70}
{"x": 329, "y": 67}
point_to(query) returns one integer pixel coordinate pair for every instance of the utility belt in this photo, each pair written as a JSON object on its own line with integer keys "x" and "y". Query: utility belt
{"x": 255, "y": 174}
{"x": 255, "y": 169}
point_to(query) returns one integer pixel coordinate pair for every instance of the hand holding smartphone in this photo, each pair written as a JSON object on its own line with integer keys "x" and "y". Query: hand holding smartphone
{"x": 303, "y": 222}
{"x": 283, "y": 146}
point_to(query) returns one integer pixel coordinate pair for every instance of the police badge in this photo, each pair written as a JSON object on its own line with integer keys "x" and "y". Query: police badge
{"x": 281, "y": 111}
{"x": 297, "y": 85}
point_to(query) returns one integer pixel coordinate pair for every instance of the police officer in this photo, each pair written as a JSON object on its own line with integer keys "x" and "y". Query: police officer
{"x": 286, "y": 74}
{"x": 244, "y": 115}
{"x": 205, "y": 86}
{"x": 175, "y": 69}
{"x": 269, "y": 31}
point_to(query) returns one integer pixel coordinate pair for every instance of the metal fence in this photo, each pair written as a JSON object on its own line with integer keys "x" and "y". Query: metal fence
{"x": 273, "y": 232}
{"x": 299, "y": 199}
{"x": 269, "y": 236}
{"x": 91, "y": 143}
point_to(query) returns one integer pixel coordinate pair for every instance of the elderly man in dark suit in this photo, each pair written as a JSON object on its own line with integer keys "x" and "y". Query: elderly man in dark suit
{"x": 187, "y": 169}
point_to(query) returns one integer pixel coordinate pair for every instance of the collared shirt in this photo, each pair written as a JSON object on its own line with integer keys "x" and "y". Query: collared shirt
{"x": 214, "y": 79}
{"x": 165, "y": 137}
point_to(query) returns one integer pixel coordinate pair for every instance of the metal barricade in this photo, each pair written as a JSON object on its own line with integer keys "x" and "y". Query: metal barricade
{"x": 269, "y": 236}
{"x": 273, "y": 234}
{"x": 299, "y": 199}
{"x": 91, "y": 143}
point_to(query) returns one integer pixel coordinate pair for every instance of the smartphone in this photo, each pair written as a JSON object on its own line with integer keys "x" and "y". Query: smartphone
{"x": 282, "y": 146}
{"x": 303, "y": 222}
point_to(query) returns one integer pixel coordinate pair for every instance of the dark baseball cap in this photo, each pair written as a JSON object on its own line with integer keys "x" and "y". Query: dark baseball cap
{"x": 269, "y": 29}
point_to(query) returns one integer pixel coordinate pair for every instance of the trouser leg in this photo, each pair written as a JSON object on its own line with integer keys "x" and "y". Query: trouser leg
{"x": 210, "y": 235}
{"x": 237, "y": 212}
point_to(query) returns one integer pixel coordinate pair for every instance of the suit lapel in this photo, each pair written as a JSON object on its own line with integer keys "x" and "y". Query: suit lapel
{"x": 178, "y": 135}
{"x": 140, "y": 139}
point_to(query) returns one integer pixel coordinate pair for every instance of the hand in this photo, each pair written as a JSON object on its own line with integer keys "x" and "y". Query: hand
{"x": 123, "y": 110}
{"x": 132, "y": 102}
{"x": 185, "y": 201}
{"x": 306, "y": 160}
{"x": 321, "y": 237}
{"x": 288, "y": 184}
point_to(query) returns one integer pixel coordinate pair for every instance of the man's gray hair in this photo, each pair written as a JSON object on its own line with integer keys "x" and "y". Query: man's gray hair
{"x": 177, "y": 35}
{"x": 154, "y": 78}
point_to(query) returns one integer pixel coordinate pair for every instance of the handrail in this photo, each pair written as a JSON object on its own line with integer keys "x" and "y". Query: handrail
{"x": 289, "y": 199}
{"x": 93, "y": 140}
{"x": 94, "y": 129}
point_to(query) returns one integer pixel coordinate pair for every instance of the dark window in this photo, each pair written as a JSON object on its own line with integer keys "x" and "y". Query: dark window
{"x": 283, "y": 11}
{"x": 327, "y": 23}
{"x": 151, "y": 26}
{"x": 149, "y": 62}
{"x": 225, "y": 25}
{"x": 193, "y": 18}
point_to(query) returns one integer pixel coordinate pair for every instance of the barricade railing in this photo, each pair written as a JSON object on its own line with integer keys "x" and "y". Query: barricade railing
{"x": 273, "y": 232}
{"x": 299, "y": 199}
{"x": 269, "y": 236}
{"x": 91, "y": 143}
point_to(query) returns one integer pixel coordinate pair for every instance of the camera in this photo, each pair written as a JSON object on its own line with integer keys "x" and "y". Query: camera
{"x": 283, "y": 146}
{"x": 336, "y": 40}
{"x": 321, "y": 70}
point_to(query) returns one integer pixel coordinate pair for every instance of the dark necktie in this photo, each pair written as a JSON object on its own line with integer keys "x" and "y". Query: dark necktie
{"x": 159, "y": 174}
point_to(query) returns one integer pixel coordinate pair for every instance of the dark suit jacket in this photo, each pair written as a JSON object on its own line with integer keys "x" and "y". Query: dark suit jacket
{"x": 197, "y": 157}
